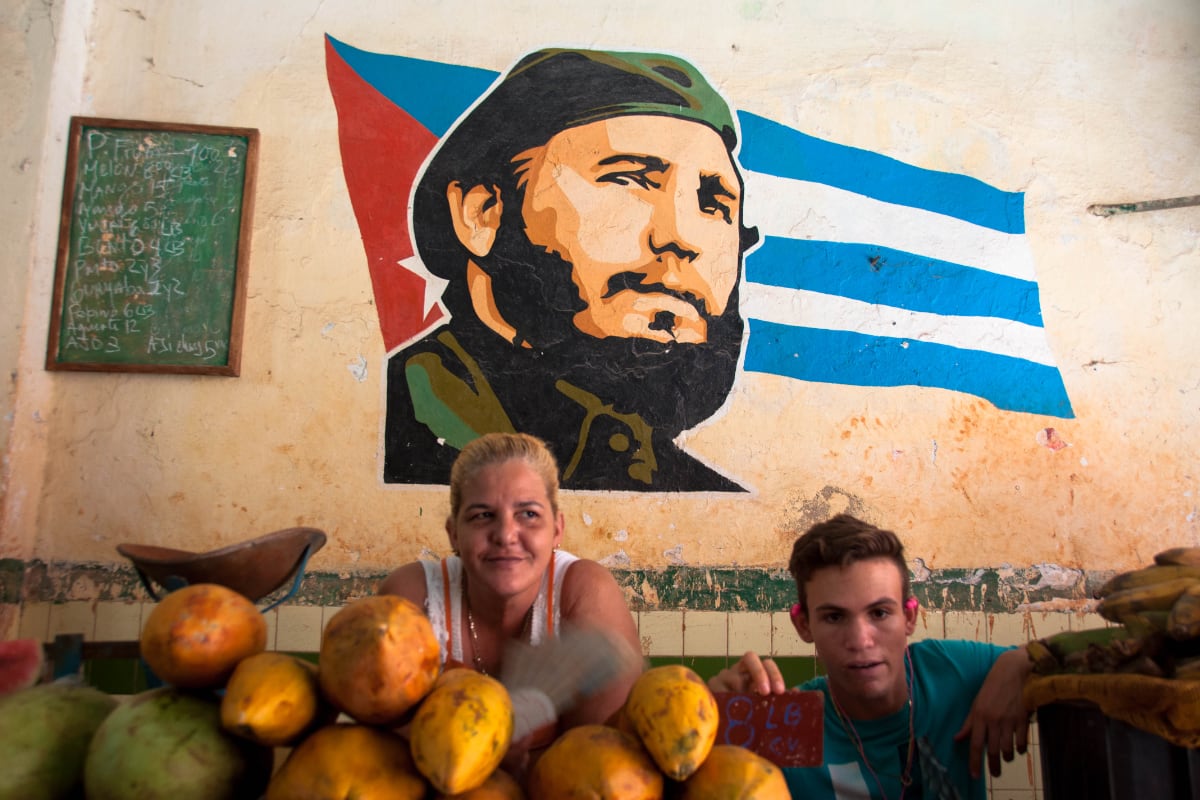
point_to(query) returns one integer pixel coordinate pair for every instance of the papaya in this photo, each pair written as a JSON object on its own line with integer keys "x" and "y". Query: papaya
{"x": 196, "y": 635}
{"x": 620, "y": 720}
{"x": 274, "y": 699}
{"x": 462, "y": 730}
{"x": 735, "y": 773}
{"x": 345, "y": 760}
{"x": 675, "y": 716}
{"x": 168, "y": 744}
{"x": 378, "y": 658}
{"x": 595, "y": 761}
{"x": 45, "y": 731}
{"x": 498, "y": 786}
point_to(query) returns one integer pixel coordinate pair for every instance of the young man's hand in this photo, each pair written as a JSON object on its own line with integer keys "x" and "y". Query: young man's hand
{"x": 998, "y": 717}
{"x": 749, "y": 674}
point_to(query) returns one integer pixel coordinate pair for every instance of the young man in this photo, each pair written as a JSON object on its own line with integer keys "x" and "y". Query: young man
{"x": 900, "y": 720}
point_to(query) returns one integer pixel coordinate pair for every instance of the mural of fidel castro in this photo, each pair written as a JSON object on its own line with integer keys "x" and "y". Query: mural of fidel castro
{"x": 587, "y": 215}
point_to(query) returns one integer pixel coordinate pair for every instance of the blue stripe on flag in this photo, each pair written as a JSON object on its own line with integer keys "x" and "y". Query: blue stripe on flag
{"x": 812, "y": 354}
{"x": 432, "y": 93}
{"x": 776, "y": 149}
{"x": 875, "y": 274}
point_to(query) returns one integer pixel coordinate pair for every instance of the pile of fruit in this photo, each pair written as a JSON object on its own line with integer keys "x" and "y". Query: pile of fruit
{"x": 375, "y": 717}
{"x": 1156, "y": 630}
{"x": 660, "y": 744}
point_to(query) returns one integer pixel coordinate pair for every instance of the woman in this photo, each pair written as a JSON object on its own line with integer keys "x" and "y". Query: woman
{"x": 508, "y": 580}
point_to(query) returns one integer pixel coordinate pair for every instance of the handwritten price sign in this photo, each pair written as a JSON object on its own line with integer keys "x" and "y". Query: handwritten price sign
{"x": 786, "y": 729}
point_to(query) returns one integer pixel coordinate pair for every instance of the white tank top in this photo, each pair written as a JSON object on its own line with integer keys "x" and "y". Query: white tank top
{"x": 547, "y": 608}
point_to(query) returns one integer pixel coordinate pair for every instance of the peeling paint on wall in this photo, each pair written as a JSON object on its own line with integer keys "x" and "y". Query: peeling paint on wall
{"x": 672, "y": 588}
{"x": 1050, "y": 439}
{"x": 358, "y": 369}
{"x": 674, "y": 555}
{"x": 618, "y": 560}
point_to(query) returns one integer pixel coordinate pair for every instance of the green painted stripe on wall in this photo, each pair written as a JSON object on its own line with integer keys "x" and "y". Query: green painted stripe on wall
{"x": 671, "y": 588}
{"x": 12, "y": 575}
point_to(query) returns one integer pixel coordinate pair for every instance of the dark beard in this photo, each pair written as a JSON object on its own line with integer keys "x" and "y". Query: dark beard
{"x": 673, "y": 386}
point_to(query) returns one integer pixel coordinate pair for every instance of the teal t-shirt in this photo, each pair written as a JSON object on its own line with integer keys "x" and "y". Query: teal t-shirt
{"x": 946, "y": 677}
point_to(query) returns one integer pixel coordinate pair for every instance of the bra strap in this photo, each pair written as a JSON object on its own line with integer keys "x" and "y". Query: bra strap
{"x": 449, "y": 609}
{"x": 550, "y": 599}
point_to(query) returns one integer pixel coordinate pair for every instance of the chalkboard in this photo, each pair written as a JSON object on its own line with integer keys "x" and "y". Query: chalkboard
{"x": 152, "y": 247}
{"x": 786, "y": 729}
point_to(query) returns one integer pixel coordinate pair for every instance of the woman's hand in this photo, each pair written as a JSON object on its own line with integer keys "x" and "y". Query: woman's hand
{"x": 593, "y": 600}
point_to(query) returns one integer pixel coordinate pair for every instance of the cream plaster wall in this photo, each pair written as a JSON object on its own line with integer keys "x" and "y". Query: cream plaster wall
{"x": 27, "y": 50}
{"x": 1071, "y": 103}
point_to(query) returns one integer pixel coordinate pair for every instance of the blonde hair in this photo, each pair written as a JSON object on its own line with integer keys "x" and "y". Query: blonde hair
{"x": 496, "y": 448}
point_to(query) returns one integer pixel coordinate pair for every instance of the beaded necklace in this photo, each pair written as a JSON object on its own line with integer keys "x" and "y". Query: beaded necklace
{"x": 525, "y": 627}
{"x": 848, "y": 725}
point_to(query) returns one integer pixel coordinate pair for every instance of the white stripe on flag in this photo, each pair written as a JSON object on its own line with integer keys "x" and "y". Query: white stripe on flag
{"x": 830, "y": 312}
{"x": 806, "y": 210}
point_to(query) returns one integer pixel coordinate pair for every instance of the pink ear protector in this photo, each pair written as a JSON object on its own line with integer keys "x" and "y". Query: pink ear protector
{"x": 796, "y": 609}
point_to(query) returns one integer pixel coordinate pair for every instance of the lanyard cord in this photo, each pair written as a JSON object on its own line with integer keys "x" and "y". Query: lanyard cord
{"x": 848, "y": 725}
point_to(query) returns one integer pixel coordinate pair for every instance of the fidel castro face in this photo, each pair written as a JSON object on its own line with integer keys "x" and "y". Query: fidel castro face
{"x": 647, "y": 211}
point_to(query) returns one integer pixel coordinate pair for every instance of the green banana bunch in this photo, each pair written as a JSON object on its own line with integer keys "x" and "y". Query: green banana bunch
{"x": 1183, "y": 620}
{"x": 1085, "y": 651}
{"x": 1146, "y": 623}
{"x": 1187, "y": 669}
{"x": 1182, "y": 556}
{"x": 1157, "y": 632}
{"x": 1148, "y": 577}
{"x": 1159, "y": 596}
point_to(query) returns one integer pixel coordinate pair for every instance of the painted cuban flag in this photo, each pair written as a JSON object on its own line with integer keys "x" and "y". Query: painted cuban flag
{"x": 870, "y": 272}
{"x": 873, "y": 272}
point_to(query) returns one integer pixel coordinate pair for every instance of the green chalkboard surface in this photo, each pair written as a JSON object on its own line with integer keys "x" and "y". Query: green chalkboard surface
{"x": 152, "y": 247}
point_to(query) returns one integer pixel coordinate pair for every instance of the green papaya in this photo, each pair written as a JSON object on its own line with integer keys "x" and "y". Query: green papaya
{"x": 168, "y": 744}
{"x": 45, "y": 732}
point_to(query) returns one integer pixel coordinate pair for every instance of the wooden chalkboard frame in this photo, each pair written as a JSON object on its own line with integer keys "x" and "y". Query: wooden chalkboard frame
{"x": 148, "y": 362}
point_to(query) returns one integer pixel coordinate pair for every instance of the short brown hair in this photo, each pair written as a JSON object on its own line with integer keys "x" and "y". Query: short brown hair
{"x": 839, "y": 542}
{"x": 496, "y": 448}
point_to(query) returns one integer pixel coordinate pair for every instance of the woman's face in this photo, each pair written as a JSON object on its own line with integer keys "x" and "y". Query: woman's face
{"x": 505, "y": 529}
